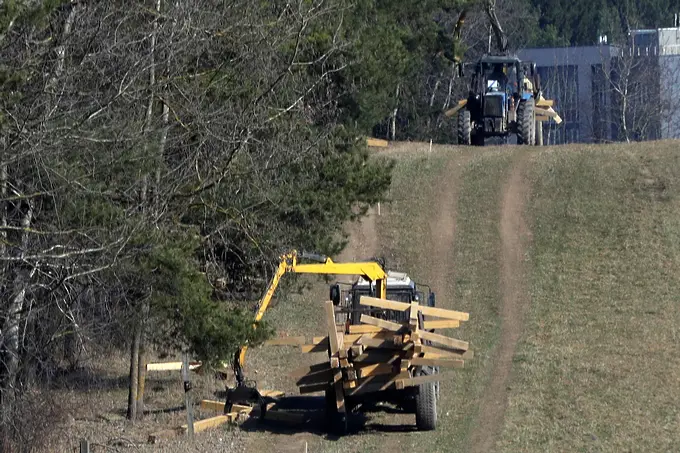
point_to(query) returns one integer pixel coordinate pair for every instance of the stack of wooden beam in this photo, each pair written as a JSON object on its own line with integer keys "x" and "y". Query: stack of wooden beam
{"x": 377, "y": 354}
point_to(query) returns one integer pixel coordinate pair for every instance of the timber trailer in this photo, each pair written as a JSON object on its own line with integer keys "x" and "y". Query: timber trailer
{"x": 378, "y": 343}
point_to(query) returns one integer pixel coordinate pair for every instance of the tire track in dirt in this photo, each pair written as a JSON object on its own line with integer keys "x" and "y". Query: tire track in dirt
{"x": 438, "y": 259}
{"x": 514, "y": 301}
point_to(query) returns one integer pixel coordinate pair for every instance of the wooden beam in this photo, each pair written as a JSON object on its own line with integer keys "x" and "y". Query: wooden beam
{"x": 330, "y": 326}
{"x": 376, "y": 142}
{"x": 402, "y": 306}
{"x": 445, "y": 341}
{"x": 435, "y": 352}
{"x": 389, "y": 325}
{"x": 441, "y": 324}
{"x": 445, "y": 362}
{"x": 543, "y": 102}
{"x": 212, "y": 405}
{"x": 384, "y": 344}
{"x": 211, "y": 422}
{"x": 375, "y": 370}
{"x": 363, "y": 328}
{"x": 411, "y": 382}
{"x": 319, "y": 347}
{"x": 379, "y": 356}
{"x": 272, "y": 393}
{"x": 450, "y": 112}
{"x": 171, "y": 366}
{"x": 285, "y": 341}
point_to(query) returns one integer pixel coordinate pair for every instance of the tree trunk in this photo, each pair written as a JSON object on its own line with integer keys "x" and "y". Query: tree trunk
{"x": 393, "y": 133}
{"x": 134, "y": 375}
{"x": 142, "y": 360}
{"x": 10, "y": 328}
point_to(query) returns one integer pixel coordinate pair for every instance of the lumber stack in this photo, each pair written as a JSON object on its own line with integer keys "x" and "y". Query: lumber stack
{"x": 378, "y": 354}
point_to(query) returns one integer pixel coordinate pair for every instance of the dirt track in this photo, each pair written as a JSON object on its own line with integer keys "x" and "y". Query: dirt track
{"x": 514, "y": 302}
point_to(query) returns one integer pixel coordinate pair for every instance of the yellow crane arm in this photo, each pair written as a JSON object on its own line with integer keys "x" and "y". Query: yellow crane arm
{"x": 369, "y": 270}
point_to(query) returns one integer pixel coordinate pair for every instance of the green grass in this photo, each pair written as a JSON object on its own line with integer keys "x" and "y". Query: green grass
{"x": 598, "y": 367}
{"x": 471, "y": 276}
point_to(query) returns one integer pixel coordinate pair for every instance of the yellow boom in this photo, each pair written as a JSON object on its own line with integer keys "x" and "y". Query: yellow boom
{"x": 368, "y": 270}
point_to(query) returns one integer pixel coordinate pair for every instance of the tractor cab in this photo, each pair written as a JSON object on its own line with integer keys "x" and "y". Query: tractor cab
{"x": 400, "y": 288}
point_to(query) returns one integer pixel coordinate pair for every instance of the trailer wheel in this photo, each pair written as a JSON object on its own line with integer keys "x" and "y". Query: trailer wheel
{"x": 464, "y": 128}
{"x": 426, "y": 407}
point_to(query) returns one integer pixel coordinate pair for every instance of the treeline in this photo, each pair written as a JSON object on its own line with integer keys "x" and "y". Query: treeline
{"x": 581, "y": 22}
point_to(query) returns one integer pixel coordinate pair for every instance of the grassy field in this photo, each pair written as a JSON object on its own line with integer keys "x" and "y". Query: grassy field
{"x": 598, "y": 367}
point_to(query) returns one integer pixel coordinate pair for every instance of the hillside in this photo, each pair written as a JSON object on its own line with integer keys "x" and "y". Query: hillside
{"x": 567, "y": 260}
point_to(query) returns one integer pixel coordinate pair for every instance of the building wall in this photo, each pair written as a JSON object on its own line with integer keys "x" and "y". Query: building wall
{"x": 567, "y": 76}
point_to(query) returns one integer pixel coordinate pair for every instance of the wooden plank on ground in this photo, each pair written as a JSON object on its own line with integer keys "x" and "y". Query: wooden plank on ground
{"x": 339, "y": 393}
{"x": 441, "y": 324}
{"x": 376, "y": 142}
{"x": 212, "y": 405}
{"x": 211, "y": 422}
{"x": 171, "y": 366}
{"x": 389, "y": 325}
{"x": 285, "y": 341}
{"x": 445, "y": 341}
{"x": 318, "y": 347}
{"x": 443, "y": 362}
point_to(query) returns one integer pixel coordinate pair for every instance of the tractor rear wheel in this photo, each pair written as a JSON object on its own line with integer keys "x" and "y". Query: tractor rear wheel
{"x": 426, "y": 407}
{"x": 464, "y": 128}
{"x": 526, "y": 122}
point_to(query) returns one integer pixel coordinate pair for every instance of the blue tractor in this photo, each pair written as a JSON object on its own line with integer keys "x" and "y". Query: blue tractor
{"x": 501, "y": 102}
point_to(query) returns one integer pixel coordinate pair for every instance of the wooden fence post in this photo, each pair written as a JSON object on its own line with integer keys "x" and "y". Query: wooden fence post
{"x": 187, "y": 396}
{"x": 84, "y": 446}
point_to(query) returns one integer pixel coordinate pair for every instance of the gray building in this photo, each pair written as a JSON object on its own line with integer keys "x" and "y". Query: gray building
{"x": 608, "y": 93}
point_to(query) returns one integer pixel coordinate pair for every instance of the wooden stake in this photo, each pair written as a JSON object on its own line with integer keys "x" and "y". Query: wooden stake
{"x": 187, "y": 397}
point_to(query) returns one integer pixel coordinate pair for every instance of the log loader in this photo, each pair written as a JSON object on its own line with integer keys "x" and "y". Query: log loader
{"x": 373, "y": 281}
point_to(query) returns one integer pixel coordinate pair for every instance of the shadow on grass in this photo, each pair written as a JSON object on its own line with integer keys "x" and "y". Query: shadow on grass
{"x": 86, "y": 379}
{"x": 316, "y": 422}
